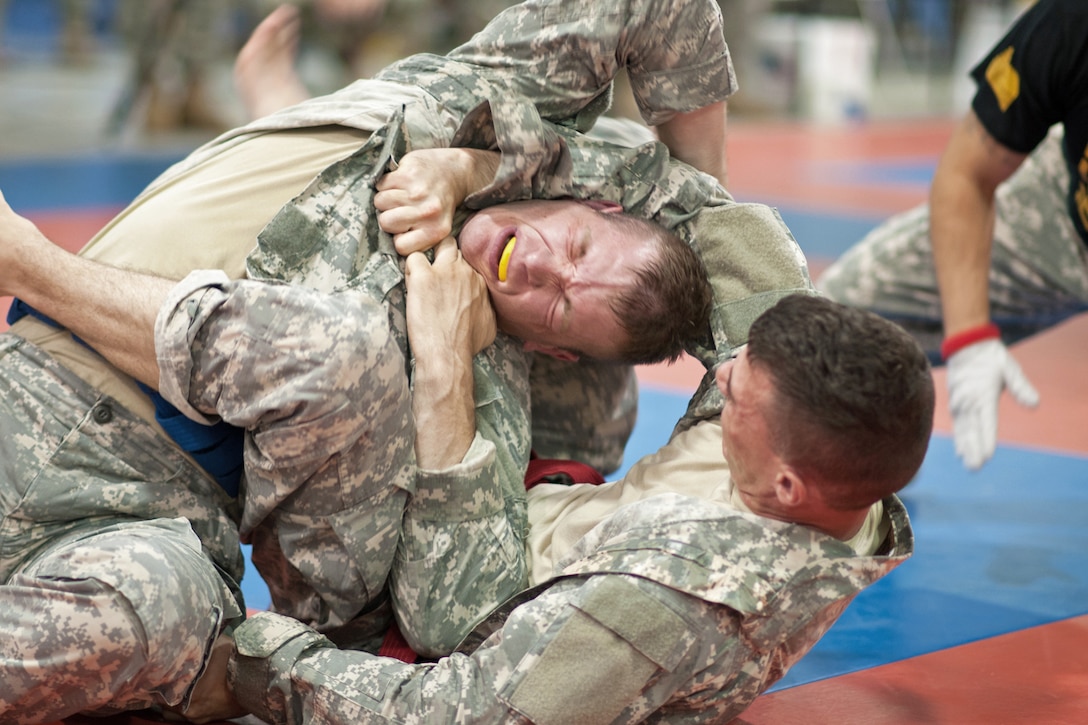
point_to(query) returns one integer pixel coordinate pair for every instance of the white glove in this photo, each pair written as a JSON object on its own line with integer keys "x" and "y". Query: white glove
{"x": 976, "y": 376}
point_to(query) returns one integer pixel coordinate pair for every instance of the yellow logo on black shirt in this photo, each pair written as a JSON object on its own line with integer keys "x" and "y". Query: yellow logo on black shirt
{"x": 1003, "y": 79}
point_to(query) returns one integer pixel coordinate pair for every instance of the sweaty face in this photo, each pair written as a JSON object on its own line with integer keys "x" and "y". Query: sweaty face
{"x": 746, "y": 438}
{"x": 553, "y": 286}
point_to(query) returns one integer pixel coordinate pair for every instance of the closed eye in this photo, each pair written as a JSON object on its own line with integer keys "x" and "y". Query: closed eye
{"x": 559, "y": 320}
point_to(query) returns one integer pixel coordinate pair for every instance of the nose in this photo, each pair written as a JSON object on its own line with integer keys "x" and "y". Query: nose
{"x": 542, "y": 269}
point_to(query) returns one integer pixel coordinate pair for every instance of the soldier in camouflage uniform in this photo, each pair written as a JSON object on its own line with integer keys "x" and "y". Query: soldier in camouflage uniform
{"x": 1001, "y": 250}
{"x": 104, "y": 503}
{"x": 675, "y": 607}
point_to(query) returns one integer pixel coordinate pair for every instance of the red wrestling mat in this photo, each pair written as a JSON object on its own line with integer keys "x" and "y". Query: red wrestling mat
{"x": 1037, "y": 675}
{"x": 791, "y": 162}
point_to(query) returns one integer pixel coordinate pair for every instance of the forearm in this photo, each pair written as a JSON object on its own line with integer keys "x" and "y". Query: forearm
{"x": 698, "y": 138}
{"x": 574, "y": 632}
{"x": 449, "y": 320}
{"x": 645, "y": 179}
{"x": 443, "y": 406}
{"x": 962, "y": 203}
{"x": 462, "y": 545}
{"x": 961, "y": 227}
{"x": 112, "y": 310}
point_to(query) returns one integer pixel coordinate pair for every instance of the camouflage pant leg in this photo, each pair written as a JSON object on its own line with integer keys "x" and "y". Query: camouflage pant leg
{"x": 72, "y": 457}
{"x": 1038, "y": 271}
{"x": 890, "y": 272}
{"x": 113, "y": 620}
{"x": 584, "y": 411}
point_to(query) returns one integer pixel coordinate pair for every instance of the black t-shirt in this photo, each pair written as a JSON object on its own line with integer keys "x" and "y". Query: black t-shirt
{"x": 1035, "y": 77}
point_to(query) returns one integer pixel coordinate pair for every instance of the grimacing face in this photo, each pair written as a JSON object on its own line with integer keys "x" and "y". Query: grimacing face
{"x": 746, "y": 436}
{"x": 566, "y": 263}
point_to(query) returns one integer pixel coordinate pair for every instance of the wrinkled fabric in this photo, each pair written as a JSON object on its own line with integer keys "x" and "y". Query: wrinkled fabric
{"x": 109, "y": 600}
{"x": 671, "y": 610}
{"x": 327, "y": 240}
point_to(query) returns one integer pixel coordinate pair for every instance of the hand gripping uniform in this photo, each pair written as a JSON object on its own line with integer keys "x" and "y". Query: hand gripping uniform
{"x": 88, "y": 480}
{"x": 673, "y": 609}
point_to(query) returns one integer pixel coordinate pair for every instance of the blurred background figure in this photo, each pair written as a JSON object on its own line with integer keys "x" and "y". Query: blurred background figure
{"x": 174, "y": 47}
{"x": 338, "y": 36}
{"x": 75, "y": 42}
{"x": 347, "y": 39}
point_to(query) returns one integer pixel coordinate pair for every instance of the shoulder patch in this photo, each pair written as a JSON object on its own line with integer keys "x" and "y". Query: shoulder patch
{"x": 1004, "y": 80}
{"x": 593, "y": 669}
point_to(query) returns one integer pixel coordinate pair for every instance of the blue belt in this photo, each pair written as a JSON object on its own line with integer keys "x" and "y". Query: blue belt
{"x": 217, "y": 448}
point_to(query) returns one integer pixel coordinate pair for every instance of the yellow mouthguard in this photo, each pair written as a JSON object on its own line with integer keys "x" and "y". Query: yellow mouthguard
{"x": 504, "y": 260}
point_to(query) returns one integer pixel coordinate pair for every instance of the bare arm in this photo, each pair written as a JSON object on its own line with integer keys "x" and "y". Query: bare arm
{"x": 112, "y": 309}
{"x": 698, "y": 138}
{"x": 962, "y": 219}
{"x": 449, "y": 320}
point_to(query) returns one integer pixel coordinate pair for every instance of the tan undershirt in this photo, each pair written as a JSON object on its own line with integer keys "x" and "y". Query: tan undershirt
{"x": 205, "y": 218}
{"x": 691, "y": 464}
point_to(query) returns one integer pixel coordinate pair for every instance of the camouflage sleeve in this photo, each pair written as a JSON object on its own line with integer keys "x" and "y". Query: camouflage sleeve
{"x": 564, "y": 54}
{"x": 541, "y": 160}
{"x": 544, "y": 69}
{"x": 319, "y": 385}
{"x": 607, "y": 649}
{"x": 460, "y": 553}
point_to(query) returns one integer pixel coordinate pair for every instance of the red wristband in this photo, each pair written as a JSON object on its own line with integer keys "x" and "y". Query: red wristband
{"x": 960, "y": 340}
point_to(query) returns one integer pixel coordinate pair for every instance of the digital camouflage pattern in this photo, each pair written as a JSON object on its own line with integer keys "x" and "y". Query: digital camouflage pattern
{"x": 318, "y": 383}
{"x": 328, "y": 240}
{"x": 319, "y": 241}
{"x": 607, "y": 416}
{"x": 121, "y": 596}
{"x": 695, "y": 608}
{"x": 88, "y": 499}
{"x": 1038, "y": 269}
{"x": 323, "y": 241}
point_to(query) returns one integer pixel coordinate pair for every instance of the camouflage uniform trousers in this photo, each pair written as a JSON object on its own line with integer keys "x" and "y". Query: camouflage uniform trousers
{"x": 108, "y": 601}
{"x": 583, "y": 411}
{"x": 1038, "y": 269}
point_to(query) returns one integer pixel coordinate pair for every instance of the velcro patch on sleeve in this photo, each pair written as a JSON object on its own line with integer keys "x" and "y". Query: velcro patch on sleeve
{"x": 601, "y": 658}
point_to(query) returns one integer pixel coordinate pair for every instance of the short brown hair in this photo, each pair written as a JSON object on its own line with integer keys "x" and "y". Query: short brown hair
{"x": 671, "y": 304}
{"x": 854, "y": 397}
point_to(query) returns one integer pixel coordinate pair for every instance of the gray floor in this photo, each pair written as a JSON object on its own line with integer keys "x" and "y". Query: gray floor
{"x": 50, "y": 108}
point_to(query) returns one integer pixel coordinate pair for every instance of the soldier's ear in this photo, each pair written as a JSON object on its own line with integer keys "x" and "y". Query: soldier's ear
{"x": 790, "y": 488}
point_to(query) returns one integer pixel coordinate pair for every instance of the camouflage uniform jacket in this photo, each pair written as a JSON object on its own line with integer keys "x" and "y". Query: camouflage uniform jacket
{"x": 328, "y": 239}
{"x": 671, "y": 610}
